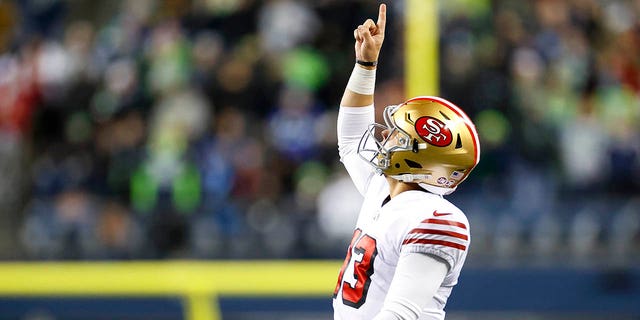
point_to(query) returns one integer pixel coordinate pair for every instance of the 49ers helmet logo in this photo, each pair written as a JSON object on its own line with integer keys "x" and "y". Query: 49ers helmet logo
{"x": 434, "y": 131}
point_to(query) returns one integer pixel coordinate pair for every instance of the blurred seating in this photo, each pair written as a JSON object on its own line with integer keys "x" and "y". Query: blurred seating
{"x": 205, "y": 129}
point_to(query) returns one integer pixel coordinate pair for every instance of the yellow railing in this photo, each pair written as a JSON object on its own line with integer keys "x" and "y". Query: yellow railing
{"x": 199, "y": 283}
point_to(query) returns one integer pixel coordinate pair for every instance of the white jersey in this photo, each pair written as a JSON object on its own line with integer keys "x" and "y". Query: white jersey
{"x": 413, "y": 221}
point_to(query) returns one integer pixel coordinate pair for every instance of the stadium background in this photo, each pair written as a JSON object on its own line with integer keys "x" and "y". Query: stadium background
{"x": 177, "y": 159}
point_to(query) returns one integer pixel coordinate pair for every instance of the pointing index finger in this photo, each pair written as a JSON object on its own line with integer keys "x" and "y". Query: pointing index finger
{"x": 382, "y": 17}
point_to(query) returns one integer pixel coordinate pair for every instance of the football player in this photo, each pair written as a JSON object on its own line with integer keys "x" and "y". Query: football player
{"x": 409, "y": 243}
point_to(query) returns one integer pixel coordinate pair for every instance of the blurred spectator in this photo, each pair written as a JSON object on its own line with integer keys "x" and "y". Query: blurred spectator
{"x": 284, "y": 24}
{"x": 336, "y": 204}
{"x": 291, "y": 127}
{"x": 118, "y": 233}
{"x": 583, "y": 142}
{"x": 62, "y": 227}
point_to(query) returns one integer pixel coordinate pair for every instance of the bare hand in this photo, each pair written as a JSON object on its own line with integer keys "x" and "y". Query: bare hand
{"x": 369, "y": 36}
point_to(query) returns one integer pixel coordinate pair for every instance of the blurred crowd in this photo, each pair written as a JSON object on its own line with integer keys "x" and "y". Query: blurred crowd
{"x": 554, "y": 88}
{"x": 206, "y": 128}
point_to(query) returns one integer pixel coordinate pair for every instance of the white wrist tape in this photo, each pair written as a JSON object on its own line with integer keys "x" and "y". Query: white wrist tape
{"x": 362, "y": 81}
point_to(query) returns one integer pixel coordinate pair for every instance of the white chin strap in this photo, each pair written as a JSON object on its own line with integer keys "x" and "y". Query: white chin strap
{"x": 408, "y": 178}
{"x": 412, "y": 178}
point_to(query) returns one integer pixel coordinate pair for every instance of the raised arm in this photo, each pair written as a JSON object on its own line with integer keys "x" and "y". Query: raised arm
{"x": 369, "y": 37}
{"x": 356, "y": 108}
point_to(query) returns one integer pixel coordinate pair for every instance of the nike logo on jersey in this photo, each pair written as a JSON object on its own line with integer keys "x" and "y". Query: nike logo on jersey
{"x": 440, "y": 214}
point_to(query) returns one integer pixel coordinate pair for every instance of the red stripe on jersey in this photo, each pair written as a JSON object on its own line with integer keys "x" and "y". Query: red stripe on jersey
{"x": 440, "y": 232}
{"x": 446, "y": 222}
{"x": 431, "y": 241}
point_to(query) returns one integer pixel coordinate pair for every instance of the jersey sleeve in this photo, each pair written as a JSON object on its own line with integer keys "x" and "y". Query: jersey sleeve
{"x": 417, "y": 276}
{"x": 352, "y": 123}
{"x": 442, "y": 237}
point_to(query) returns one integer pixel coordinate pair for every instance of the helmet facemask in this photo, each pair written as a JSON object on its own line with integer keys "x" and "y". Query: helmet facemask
{"x": 380, "y": 141}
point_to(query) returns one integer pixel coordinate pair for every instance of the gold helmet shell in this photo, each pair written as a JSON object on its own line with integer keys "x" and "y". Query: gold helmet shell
{"x": 426, "y": 140}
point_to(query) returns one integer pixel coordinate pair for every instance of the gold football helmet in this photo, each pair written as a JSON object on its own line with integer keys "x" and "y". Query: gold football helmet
{"x": 426, "y": 140}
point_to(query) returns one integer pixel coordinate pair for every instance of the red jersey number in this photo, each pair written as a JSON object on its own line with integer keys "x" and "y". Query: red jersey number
{"x": 361, "y": 254}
